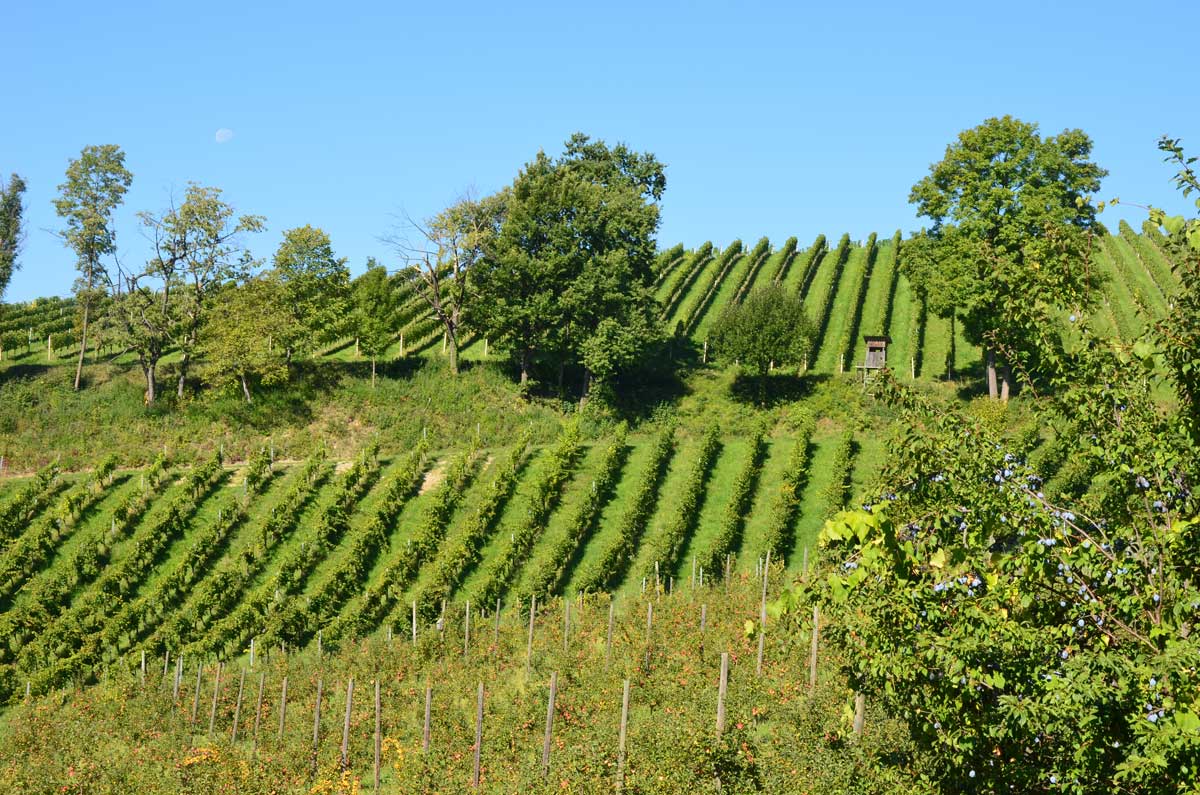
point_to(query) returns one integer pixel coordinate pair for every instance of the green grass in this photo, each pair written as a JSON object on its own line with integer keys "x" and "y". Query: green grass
{"x": 766, "y": 493}
{"x": 730, "y": 461}
{"x": 813, "y": 507}
{"x": 606, "y": 529}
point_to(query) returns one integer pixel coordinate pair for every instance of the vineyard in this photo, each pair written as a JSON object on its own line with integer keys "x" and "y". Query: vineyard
{"x": 323, "y": 566}
{"x": 849, "y": 289}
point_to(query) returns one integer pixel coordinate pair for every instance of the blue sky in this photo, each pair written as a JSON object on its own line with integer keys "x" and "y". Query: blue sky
{"x": 773, "y": 118}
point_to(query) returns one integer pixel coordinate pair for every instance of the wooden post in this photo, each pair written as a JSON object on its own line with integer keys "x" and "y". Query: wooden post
{"x": 721, "y": 690}
{"x": 212, "y": 713}
{"x": 252, "y": 654}
{"x": 549, "y": 724}
{"x": 478, "y": 738}
{"x": 142, "y": 675}
{"x": 860, "y": 705}
{"x": 693, "y": 572}
{"x": 262, "y": 680}
{"x": 529, "y": 644}
{"x": 812, "y": 659}
{"x": 497, "y": 639}
{"x": 378, "y": 734}
{"x": 414, "y": 622}
{"x": 237, "y": 710}
{"x": 319, "y": 639}
{"x": 621, "y": 740}
{"x": 608, "y": 638}
{"x": 649, "y": 625}
{"x": 196, "y": 698}
{"x": 467, "y": 629}
{"x": 178, "y": 679}
{"x": 166, "y": 662}
{"x": 762, "y": 614}
{"x": 346, "y": 724}
{"x": 283, "y": 705}
{"x": 317, "y": 724}
{"x": 428, "y": 708}
{"x": 728, "y": 559}
{"x": 657, "y": 579}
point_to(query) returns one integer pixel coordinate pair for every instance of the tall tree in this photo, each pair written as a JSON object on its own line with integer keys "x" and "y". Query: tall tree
{"x": 375, "y": 304}
{"x": 239, "y": 345}
{"x": 1011, "y": 206}
{"x": 196, "y": 246}
{"x": 12, "y": 231}
{"x": 567, "y": 280}
{"x": 315, "y": 286}
{"x": 450, "y": 245}
{"x": 768, "y": 327}
{"x": 95, "y": 186}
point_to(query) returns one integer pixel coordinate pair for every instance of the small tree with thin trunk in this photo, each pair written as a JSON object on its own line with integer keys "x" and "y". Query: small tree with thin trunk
{"x": 374, "y": 312}
{"x": 95, "y": 186}
{"x": 448, "y": 247}
{"x": 239, "y": 341}
{"x": 768, "y": 328}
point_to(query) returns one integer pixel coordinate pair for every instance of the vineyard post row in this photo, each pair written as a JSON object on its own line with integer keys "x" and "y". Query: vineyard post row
{"x": 172, "y": 678}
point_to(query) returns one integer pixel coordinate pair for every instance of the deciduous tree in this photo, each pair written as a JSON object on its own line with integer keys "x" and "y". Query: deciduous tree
{"x": 95, "y": 186}
{"x": 315, "y": 286}
{"x": 239, "y": 343}
{"x": 1010, "y": 206}
{"x": 768, "y": 327}
{"x": 12, "y": 231}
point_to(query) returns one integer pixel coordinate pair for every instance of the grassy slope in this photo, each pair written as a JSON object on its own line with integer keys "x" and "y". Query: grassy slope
{"x": 610, "y": 517}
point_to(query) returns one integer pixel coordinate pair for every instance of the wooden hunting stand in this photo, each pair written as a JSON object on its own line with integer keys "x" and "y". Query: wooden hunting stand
{"x": 876, "y": 356}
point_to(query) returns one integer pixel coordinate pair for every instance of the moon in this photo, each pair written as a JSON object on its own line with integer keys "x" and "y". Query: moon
{"x": 224, "y": 135}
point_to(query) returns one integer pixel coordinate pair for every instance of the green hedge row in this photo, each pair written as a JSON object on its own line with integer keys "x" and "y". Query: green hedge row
{"x": 734, "y": 518}
{"x": 680, "y": 525}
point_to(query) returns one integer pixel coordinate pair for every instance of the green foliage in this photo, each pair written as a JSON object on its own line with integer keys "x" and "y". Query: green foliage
{"x": 787, "y": 500}
{"x": 26, "y": 503}
{"x": 825, "y": 302}
{"x": 12, "y": 211}
{"x": 568, "y": 278}
{"x": 550, "y": 571}
{"x": 558, "y": 463}
{"x": 850, "y": 332}
{"x": 454, "y": 561}
{"x": 811, "y": 261}
{"x": 769, "y": 328}
{"x": 837, "y": 491}
{"x": 605, "y": 568}
{"x": 740, "y": 498}
{"x": 669, "y": 543}
{"x": 315, "y": 287}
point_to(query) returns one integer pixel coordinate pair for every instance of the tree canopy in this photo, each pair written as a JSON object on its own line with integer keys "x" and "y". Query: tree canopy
{"x": 566, "y": 280}
{"x": 770, "y": 327}
{"x": 12, "y": 232}
{"x": 315, "y": 286}
{"x": 1008, "y": 208}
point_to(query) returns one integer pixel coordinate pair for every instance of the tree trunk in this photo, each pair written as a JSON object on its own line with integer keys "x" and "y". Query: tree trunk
{"x": 524, "y": 366}
{"x": 151, "y": 383}
{"x": 183, "y": 368}
{"x": 87, "y": 305}
{"x": 953, "y": 349}
{"x": 453, "y": 354}
{"x": 245, "y": 387}
{"x": 990, "y": 358}
{"x": 372, "y": 371}
{"x": 1005, "y": 382}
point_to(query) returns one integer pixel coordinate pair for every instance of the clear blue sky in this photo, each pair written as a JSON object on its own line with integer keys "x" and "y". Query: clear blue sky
{"x": 772, "y": 118}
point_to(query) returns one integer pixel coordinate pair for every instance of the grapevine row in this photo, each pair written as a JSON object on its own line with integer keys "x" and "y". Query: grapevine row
{"x": 729, "y": 257}
{"x": 758, "y": 257}
{"x": 700, "y": 258}
{"x": 787, "y": 256}
{"x": 734, "y": 519}
{"x": 687, "y": 512}
{"x": 787, "y": 503}
{"x": 837, "y": 491}
{"x": 608, "y": 565}
{"x": 850, "y": 334}
{"x": 550, "y": 572}
{"x": 825, "y": 306}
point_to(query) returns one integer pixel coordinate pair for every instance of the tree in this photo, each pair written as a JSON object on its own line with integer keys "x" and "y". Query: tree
{"x": 95, "y": 186}
{"x": 567, "y": 279}
{"x": 938, "y": 279}
{"x": 768, "y": 328}
{"x": 315, "y": 287}
{"x": 12, "y": 232}
{"x": 196, "y": 245}
{"x": 451, "y": 244}
{"x": 239, "y": 343}
{"x": 1011, "y": 207}
{"x": 375, "y": 307}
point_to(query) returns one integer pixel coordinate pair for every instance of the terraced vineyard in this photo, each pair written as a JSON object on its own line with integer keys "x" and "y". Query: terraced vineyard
{"x": 205, "y": 559}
